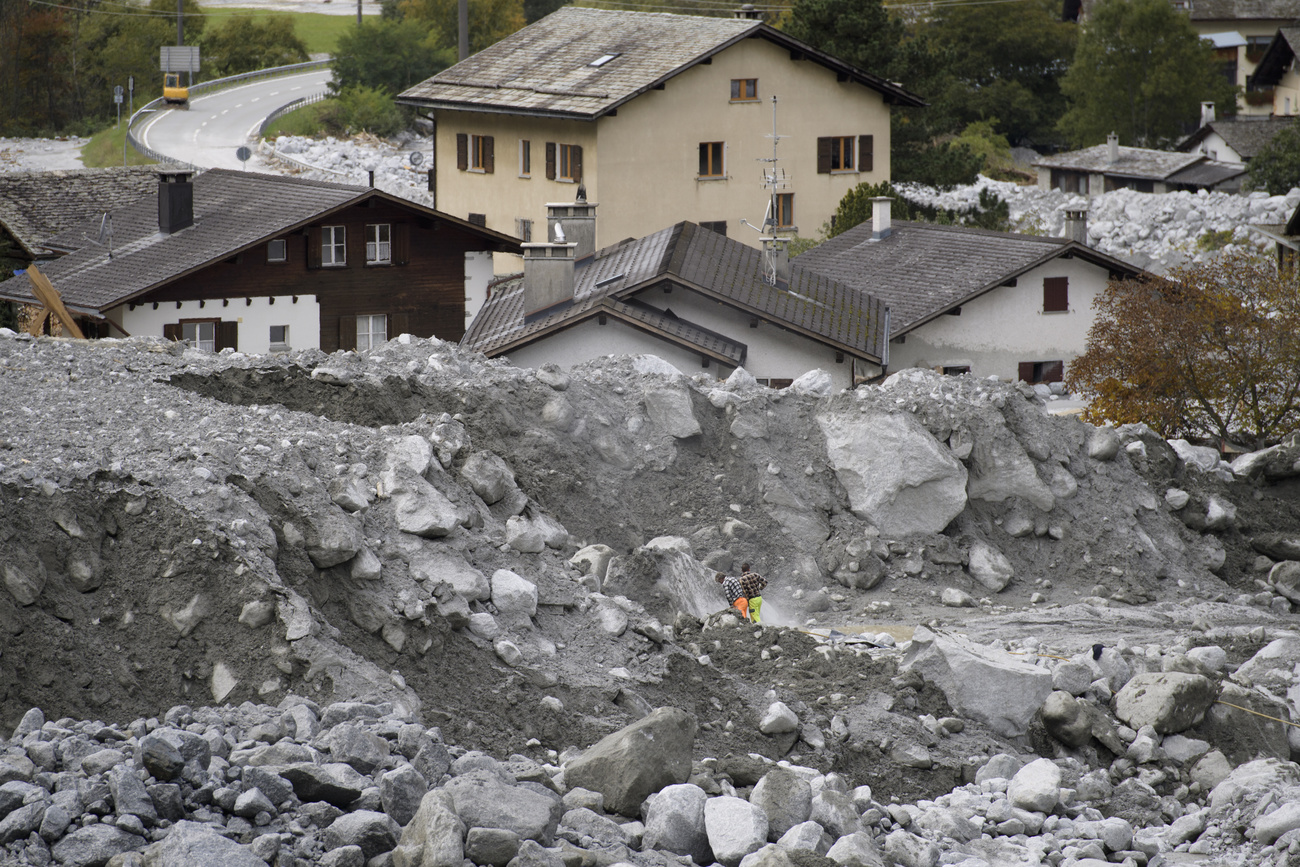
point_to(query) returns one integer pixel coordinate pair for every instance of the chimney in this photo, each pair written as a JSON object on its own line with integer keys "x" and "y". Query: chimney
{"x": 175, "y": 201}
{"x": 747, "y": 11}
{"x": 777, "y": 252}
{"x": 1112, "y": 143}
{"x": 576, "y": 224}
{"x": 1076, "y": 226}
{"x": 548, "y": 279}
{"x": 1207, "y": 113}
{"x": 880, "y": 218}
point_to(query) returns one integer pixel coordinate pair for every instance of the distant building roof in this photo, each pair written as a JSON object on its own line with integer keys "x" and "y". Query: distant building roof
{"x": 1142, "y": 163}
{"x": 1209, "y": 173}
{"x": 922, "y": 270}
{"x": 1276, "y": 60}
{"x": 1228, "y": 39}
{"x": 583, "y": 63}
{"x": 1243, "y": 10}
{"x": 36, "y": 206}
{"x": 698, "y": 259}
{"x": 233, "y": 211}
{"x": 1246, "y": 136}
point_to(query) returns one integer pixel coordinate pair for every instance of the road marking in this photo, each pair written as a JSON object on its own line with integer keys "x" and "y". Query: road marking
{"x": 202, "y": 125}
{"x": 299, "y": 87}
{"x": 225, "y": 111}
{"x": 240, "y": 105}
{"x": 255, "y": 99}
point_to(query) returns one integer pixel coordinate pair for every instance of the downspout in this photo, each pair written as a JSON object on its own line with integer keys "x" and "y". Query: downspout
{"x": 884, "y": 358}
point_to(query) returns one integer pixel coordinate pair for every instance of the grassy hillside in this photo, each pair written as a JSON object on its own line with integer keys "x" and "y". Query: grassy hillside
{"x": 319, "y": 32}
{"x": 105, "y": 149}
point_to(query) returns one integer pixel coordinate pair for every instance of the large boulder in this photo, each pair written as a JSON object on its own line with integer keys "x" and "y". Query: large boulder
{"x": 668, "y": 405}
{"x": 1272, "y": 665}
{"x": 786, "y": 799}
{"x": 986, "y": 684}
{"x": 483, "y": 800}
{"x": 897, "y": 476}
{"x": 334, "y": 783}
{"x": 1076, "y": 722}
{"x": 423, "y": 510}
{"x": 93, "y": 845}
{"x": 1170, "y": 701}
{"x": 989, "y": 566}
{"x": 636, "y": 761}
{"x": 1036, "y": 787}
{"x": 375, "y": 833}
{"x": 1000, "y": 469}
{"x": 674, "y": 822}
{"x": 448, "y": 569}
{"x": 735, "y": 828}
{"x": 435, "y": 836}
{"x": 489, "y": 476}
{"x": 194, "y": 844}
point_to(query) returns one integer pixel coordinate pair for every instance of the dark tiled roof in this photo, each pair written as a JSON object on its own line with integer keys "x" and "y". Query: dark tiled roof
{"x": 1277, "y": 58}
{"x": 1244, "y": 10}
{"x": 693, "y": 258}
{"x": 1246, "y": 136}
{"x": 233, "y": 211}
{"x": 546, "y": 68}
{"x": 1207, "y": 174}
{"x": 1132, "y": 162}
{"x": 921, "y": 269}
{"x": 36, "y": 206}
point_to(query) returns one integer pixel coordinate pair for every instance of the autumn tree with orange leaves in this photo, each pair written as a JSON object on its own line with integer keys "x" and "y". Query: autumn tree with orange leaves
{"x": 1211, "y": 350}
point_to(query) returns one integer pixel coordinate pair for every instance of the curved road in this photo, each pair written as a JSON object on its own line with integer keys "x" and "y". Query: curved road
{"x": 216, "y": 124}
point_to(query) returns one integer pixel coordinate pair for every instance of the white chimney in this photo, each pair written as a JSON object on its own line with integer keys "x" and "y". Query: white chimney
{"x": 1112, "y": 142}
{"x": 880, "y": 218}
{"x": 1076, "y": 226}
{"x": 548, "y": 279}
{"x": 1207, "y": 113}
{"x": 576, "y": 222}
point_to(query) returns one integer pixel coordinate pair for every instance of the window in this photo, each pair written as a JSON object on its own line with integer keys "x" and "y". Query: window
{"x": 379, "y": 244}
{"x": 711, "y": 159}
{"x": 955, "y": 369}
{"x": 570, "y": 163}
{"x": 785, "y": 210}
{"x": 279, "y": 338}
{"x": 202, "y": 334}
{"x": 478, "y": 219}
{"x": 277, "y": 250}
{"x": 372, "y": 330}
{"x": 475, "y": 153}
{"x": 842, "y": 153}
{"x": 837, "y": 153}
{"x": 1056, "y": 294}
{"x": 524, "y": 229}
{"x": 719, "y": 226}
{"x": 1041, "y": 371}
{"x": 333, "y": 246}
{"x": 525, "y": 158}
{"x": 744, "y": 89}
{"x": 602, "y": 60}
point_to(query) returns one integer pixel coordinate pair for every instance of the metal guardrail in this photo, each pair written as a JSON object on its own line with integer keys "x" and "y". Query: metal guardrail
{"x": 209, "y": 87}
{"x": 285, "y": 109}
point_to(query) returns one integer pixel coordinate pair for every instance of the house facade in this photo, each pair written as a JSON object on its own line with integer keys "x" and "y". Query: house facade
{"x": 1275, "y": 83}
{"x": 661, "y": 118}
{"x": 1234, "y": 140}
{"x": 1241, "y": 31}
{"x": 261, "y": 263}
{"x": 1102, "y": 168}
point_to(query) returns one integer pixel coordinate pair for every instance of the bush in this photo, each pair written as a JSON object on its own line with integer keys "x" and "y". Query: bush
{"x": 1276, "y": 168}
{"x": 361, "y": 109}
{"x": 991, "y": 212}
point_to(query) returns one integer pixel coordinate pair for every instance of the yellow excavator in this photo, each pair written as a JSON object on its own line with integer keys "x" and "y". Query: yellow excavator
{"x": 175, "y": 93}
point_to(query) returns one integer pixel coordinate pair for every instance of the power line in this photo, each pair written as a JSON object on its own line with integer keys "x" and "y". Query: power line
{"x": 152, "y": 13}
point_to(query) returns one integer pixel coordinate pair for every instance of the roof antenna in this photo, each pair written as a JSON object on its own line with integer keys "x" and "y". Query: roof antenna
{"x": 105, "y": 231}
{"x": 774, "y": 180}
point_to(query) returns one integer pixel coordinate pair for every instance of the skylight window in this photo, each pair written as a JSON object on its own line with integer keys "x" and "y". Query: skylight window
{"x": 602, "y": 60}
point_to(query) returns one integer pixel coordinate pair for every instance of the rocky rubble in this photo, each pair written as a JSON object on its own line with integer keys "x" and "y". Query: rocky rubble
{"x": 386, "y": 593}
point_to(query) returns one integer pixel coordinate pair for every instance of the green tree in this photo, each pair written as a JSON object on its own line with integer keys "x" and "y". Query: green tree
{"x": 859, "y": 32}
{"x": 244, "y": 43}
{"x": 1210, "y": 350}
{"x": 389, "y": 54}
{"x": 1276, "y": 168}
{"x": 490, "y": 21}
{"x": 1141, "y": 71}
{"x": 856, "y": 207}
{"x": 361, "y": 109}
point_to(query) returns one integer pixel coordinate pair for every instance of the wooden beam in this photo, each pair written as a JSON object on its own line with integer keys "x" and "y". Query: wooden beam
{"x": 50, "y": 299}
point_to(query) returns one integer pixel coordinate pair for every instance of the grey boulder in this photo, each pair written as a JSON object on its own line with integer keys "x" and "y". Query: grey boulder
{"x": 435, "y": 836}
{"x": 93, "y": 845}
{"x": 1170, "y": 701}
{"x": 638, "y": 760}
{"x": 193, "y": 844}
{"x": 374, "y": 832}
{"x": 735, "y": 828}
{"x": 786, "y": 799}
{"x": 674, "y": 822}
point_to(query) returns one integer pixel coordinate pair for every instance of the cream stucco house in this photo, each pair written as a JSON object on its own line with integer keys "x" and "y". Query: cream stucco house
{"x": 662, "y": 118}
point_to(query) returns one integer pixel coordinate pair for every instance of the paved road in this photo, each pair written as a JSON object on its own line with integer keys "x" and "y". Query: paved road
{"x": 216, "y": 124}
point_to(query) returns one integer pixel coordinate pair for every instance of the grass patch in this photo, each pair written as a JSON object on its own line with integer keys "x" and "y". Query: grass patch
{"x": 305, "y": 121}
{"x": 319, "y": 32}
{"x": 105, "y": 149}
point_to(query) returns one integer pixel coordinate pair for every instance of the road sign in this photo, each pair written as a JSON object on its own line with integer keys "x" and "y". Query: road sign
{"x": 243, "y": 153}
{"x": 179, "y": 58}
{"x": 130, "y": 83}
{"x": 416, "y": 158}
{"x": 117, "y": 94}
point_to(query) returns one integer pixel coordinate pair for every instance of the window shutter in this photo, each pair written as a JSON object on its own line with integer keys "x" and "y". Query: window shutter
{"x": 1053, "y": 371}
{"x": 401, "y": 243}
{"x": 550, "y": 160}
{"x": 347, "y": 332}
{"x": 1056, "y": 294}
{"x": 577, "y": 162}
{"x": 172, "y": 332}
{"x": 823, "y": 155}
{"x": 398, "y": 323}
{"x": 866, "y": 153}
{"x": 462, "y": 151}
{"x": 1026, "y": 371}
{"x": 313, "y": 246}
{"x": 227, "y": 335}
{"x": 489, "y": 157}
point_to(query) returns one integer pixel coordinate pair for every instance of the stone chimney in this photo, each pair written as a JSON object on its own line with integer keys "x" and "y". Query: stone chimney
{"x": 576, "y": 222}
{"x": 880, "y": 218}
{"x": 175, "y": 201}
{"x": 1076, "y": 226}
{"x": 1207, "y": 113}
{"x": 1112, "y": 144}
{"x": 747, "y": 11}
{"x": 548, "y": 279}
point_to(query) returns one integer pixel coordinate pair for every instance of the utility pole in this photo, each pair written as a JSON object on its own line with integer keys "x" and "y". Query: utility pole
{"x": 358, "y": 13}
{"x": 462, "y": 10}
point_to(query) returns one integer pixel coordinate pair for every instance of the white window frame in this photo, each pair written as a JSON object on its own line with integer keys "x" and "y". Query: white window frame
{"x": 282, "y": 344}
{"x": 333, "y": 246}
{"x": 379, "y": 244}
{"x": 525, "y": 158}
{"x": 271, "y": 247}
{"x": 194, "y": 331}
{"x": 372, "y": 330}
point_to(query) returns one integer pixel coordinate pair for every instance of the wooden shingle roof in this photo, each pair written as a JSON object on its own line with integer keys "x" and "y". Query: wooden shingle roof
{"x": 36, "y": 206}
{"x": 546, "y": 69}
{"x": 696, "y": 259}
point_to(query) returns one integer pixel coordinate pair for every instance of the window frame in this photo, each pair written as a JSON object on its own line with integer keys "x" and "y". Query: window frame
{"x": 843, "y": 150}
{"x": 739, "y": 88}
{"x": 1056, "y": 294}
{"x": 525, "y": 158}
{"x": 284, "y": 251}
{"x": 481, "y": 153}
{"x": 717, "y": 150}
{"x": 378, "y": 245}
{"x": 337, "y": 243}
{"x": 284, "y": 336}
{"x": 369, "y": 320}
{"x": 214, "y": 324}
{"x": 784, "y": 208}
{"x": 565, "y": 163}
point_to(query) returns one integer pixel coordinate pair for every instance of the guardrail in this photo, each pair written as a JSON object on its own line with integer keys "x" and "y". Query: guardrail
{"x": 285, "y": 109}
{"x": 208, "y": 87}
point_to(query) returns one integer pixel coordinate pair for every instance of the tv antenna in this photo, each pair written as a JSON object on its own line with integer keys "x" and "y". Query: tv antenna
{"x": 105, "y": 232}
{"x": 774, "y": 181}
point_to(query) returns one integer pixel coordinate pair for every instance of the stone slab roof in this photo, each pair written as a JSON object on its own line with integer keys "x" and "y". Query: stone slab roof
{"x": 1245, "y": 136}
{"x": 1276, "y": 60}
{"x": 1207, "y": 174}
{"x": 922, "y": 270}
{"x": 547, "y": 67}
{"x": 233, "y": 211}
{"x": 36, "y": 206}
{"x": 1244, "y": 10}
{"x": 1132, "y": 163}
{"x": 692, "y": 258}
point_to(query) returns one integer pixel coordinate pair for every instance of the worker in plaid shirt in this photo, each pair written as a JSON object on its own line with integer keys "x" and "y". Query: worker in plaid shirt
{"x": 751, "y": 586}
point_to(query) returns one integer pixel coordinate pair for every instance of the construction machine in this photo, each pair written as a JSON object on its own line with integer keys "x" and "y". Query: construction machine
{"x": 175, "y": 93}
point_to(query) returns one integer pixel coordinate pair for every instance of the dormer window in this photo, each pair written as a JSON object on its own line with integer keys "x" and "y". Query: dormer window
{"x": 602, "y": 60}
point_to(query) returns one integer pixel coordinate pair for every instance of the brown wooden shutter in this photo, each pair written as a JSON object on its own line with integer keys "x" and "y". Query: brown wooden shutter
{"x": 489, "y": 155}
{"x": 462, "y": 151}
{"x": 1053, "y": 371}
{"x": 347, "y": 332}
{"x": 1056, "y": 294}
{"x": 550, "y": 160}
{"x": 866, "y": 153}
{"x": 1026, "y": 371}
{"x": 823, "y": 155}
{"x": 576, "y": 156}
{"x": 172, "y": 332}
{"x": 399, "y": 323}
{"x": 313, "y": 247}
{"x": 401, "y": 243}
{"x": 227, "y": 336}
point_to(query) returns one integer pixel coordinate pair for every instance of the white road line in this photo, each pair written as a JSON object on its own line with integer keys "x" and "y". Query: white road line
{"x": 225, "y": 111}
{"x": 299, "y": 87}
{"x": 239, "y": 105}
{"x": 255, "y": 99}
